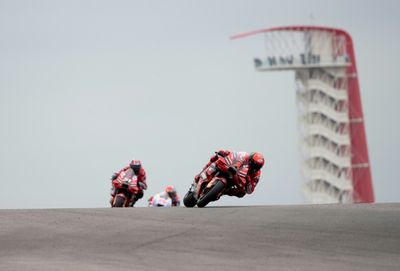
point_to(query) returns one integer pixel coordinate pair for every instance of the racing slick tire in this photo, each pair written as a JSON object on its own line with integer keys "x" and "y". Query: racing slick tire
{"x": 119, "y": 201}
{"x": 211, "y": 195}
{"x": 189, "y": 200}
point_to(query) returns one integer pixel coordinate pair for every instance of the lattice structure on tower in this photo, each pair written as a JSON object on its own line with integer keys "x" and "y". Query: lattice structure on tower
{"x": 334, "y": 157}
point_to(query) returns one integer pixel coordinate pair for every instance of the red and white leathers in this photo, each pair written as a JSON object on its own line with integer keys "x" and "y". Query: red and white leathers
{"x": 141, "y": 181}
{"x": 246, "y": 179}
{"x": 175, "y": 199}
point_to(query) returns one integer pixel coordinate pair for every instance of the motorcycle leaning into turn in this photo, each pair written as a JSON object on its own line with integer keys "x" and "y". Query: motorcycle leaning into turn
{"x": 211, "y": 184}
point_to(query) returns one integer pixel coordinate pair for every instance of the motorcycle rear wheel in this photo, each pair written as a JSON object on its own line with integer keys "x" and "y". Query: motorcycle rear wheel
{"x": 189, "y": 200}
{"x": 211, "y": 195}
{"x": 119, "y": 201}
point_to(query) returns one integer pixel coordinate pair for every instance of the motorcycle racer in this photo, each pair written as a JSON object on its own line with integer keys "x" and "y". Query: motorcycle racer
{"x": 168, "y": 193}
{"x": 140, "y": 172}
{"x": 248, "y": 170}
{"x": 160, "y": 200}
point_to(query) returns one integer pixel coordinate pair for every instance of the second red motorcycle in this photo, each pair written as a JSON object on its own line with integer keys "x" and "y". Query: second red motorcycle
{"x": 125, "y": 187}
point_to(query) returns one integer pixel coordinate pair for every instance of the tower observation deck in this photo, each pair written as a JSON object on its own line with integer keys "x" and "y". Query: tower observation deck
{"x": 334, "y": 163}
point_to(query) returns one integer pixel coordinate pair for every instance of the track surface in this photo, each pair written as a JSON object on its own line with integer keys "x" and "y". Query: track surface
{"x": 317, "y": 237}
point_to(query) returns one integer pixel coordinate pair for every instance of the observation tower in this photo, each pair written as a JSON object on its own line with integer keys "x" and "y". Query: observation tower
{"x": 334, "y": 163}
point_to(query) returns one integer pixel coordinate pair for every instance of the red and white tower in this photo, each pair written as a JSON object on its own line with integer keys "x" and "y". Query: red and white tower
{"x": 335, "y": 165}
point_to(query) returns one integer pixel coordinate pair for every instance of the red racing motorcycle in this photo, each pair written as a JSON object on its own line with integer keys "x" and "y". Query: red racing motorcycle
{"x": 212, "y": 184}
{"x": 125, "y": 186}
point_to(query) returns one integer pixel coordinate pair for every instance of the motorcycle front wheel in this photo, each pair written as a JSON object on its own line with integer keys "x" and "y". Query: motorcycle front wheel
{"x": 119, "y": 201}
{"x": 189, "y": 200}
{"x": 211, "y": 195}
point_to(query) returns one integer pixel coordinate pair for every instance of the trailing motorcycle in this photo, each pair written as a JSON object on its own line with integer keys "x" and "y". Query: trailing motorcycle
{"x": 160, "y": 200}
{"x": 125, "y": 187}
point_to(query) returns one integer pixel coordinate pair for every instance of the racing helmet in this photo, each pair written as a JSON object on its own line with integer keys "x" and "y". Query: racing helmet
{"x": 135, "y": 165}
{"x": 256, "y": 161}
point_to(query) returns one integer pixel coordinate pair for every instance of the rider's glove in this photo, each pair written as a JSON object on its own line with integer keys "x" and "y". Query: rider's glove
{"x": 114, "y": 176}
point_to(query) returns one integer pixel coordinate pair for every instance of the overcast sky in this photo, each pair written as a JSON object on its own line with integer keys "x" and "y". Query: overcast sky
{"x": 86, "y": 86}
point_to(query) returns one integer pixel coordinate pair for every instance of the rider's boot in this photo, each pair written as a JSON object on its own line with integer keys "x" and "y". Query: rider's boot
{"x": 136, "y": 197}
{"x": 133, "y": 201}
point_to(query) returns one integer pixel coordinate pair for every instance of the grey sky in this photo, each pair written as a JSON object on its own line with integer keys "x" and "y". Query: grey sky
{"x": 85, "y": 86}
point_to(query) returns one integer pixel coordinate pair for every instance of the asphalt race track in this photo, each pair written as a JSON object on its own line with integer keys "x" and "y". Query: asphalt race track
{"x": 313, "y": 237}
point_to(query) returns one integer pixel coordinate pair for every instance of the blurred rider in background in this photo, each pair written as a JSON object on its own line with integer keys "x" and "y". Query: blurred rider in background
{"x": 169, "y": 193}
{"x": 140, "y": 173}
